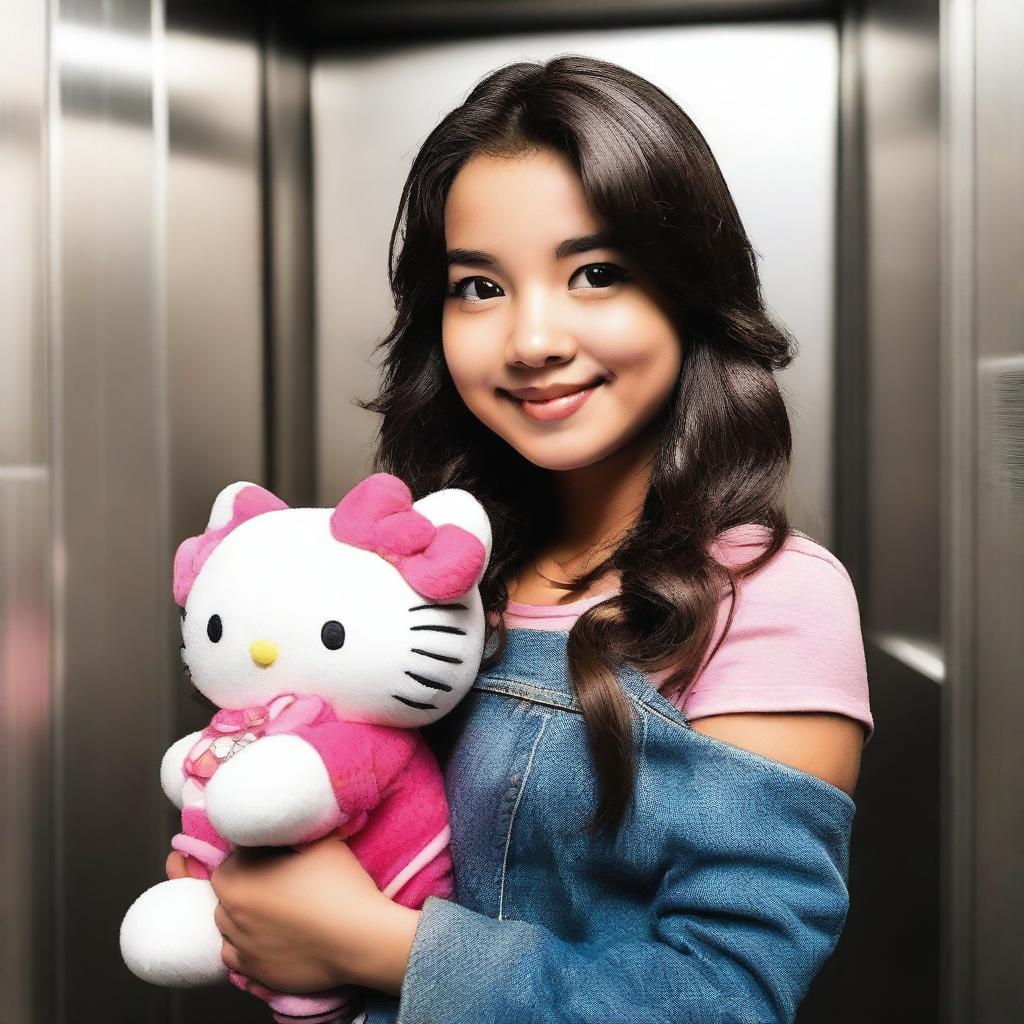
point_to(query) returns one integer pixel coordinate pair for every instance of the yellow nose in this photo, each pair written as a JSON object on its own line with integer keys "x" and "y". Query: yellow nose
{"x": 263, "y": 653}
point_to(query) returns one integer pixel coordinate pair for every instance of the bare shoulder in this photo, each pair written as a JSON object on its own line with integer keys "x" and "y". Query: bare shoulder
{"x": 822, "y": 744}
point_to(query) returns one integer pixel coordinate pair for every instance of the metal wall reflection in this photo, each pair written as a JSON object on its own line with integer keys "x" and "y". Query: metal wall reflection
{"x": 132, "y": 276}
{"x": 27, "y": 835}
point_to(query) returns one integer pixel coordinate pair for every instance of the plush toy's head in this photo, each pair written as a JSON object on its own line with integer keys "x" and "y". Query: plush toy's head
{"x": 373, "y": 605}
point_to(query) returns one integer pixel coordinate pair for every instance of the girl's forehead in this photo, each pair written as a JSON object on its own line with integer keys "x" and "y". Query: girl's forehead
{"x": 537, "y": 194}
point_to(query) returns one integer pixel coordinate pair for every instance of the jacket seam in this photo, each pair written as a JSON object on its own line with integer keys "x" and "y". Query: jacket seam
{"x": 512, "y": 817}
{"x": 530, "y": 698}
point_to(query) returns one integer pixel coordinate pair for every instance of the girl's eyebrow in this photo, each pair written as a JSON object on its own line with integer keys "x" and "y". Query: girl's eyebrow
{"x": 570, "y": 247}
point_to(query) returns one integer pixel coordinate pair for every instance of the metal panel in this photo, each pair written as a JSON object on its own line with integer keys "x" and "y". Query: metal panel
{"x": 288, "y": 288}
{"x": 155, "y": 250}
{"x": 26, "y": 665}
{"x": 983, "y": 350}
{"x": 999, "y": 569}
{"x": 217, "y": 370}
{"x": 959, "y": 497}
{"x": 889, "y": 503}
{"x": 113, "y": 630}
{"x": 133, "y": 264}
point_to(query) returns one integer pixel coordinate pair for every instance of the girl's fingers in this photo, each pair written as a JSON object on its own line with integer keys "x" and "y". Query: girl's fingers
{"x": 230, "y": 956}
{"x": 222, "y": 919}
{"x": 176, "y": 866}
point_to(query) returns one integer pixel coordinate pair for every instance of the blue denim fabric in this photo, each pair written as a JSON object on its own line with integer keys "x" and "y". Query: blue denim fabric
{"x": 717, "y": 900}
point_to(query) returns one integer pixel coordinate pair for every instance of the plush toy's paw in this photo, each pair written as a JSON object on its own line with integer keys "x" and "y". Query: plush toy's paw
{"x": 275, "y": 792}
{"x": 169, "y": 937}
{"x": 172, "y": 774}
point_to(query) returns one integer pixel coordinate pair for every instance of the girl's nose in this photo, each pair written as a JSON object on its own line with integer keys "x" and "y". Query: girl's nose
{"x": 538, "y": 335}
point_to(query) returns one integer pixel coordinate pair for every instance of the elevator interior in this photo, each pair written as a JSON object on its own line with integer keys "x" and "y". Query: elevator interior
{"x": 194, "y": 207}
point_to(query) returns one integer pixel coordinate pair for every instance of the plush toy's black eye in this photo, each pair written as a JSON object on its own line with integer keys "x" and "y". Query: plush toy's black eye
{"x": 215, "y": 628}
{"x": 333, "y": 635}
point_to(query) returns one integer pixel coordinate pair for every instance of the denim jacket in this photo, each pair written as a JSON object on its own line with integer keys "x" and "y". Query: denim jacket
{"x": 717, "y": 900}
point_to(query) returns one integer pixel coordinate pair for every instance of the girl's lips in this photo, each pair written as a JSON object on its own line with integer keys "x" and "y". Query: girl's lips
{"x": 556, "y": 408}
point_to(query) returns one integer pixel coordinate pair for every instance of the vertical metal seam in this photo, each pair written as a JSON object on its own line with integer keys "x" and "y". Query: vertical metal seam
{"x": 958, "y": 334}
{"x": 268, "y": 305}
{"x": 53, "y": 319}
{"x": 160, "y": 114}
{"x": 851, "y": 381}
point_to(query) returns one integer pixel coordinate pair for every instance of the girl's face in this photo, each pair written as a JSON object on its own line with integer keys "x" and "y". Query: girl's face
{"x": 537, "y": 307}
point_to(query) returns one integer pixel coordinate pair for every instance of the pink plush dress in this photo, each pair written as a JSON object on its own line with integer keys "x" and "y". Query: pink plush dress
{"x": 391, "y": 801}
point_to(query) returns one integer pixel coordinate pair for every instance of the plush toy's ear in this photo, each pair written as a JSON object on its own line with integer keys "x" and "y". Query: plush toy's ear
{"x": 457, "y": 506}
{"x": 234, "y": 505}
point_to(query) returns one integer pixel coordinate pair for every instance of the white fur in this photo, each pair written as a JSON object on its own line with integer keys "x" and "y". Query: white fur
{"x": 275, "y": 792}
{"x": 168, "y": 936}
{"x": 223, "y": 510}
{"x": 172, "y": 774}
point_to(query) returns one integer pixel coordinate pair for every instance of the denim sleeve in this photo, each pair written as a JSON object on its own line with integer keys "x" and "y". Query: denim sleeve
{"x": 744, "y": 917}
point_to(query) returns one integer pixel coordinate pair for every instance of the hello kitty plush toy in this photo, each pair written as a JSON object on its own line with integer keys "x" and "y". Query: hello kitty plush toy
{"x": 326, "y": 637}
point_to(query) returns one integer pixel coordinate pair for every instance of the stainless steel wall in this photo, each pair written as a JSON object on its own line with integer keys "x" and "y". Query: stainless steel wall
{"x": 930, "y": 444}
{"x": 982, "y": 314}
{"x": 27, "y": 839}
{"x": 132, "y": 265}
{"x": 888, "y": 397}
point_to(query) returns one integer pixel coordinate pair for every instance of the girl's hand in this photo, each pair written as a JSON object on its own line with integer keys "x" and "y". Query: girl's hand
{"x": 176, "y": 866}
{"x": 310, "y": 919}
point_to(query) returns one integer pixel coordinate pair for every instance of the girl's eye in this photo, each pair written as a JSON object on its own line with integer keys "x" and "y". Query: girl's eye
{"x": 332, "y": 635}
{"x": 488, "y": 289}
{"x": 599, "y": 275}
{"x": 215, "y": 628}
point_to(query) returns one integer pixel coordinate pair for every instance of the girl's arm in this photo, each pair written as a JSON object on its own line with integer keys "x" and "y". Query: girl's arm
{"x": 738, "y": 932}
{"x": 822, "y": 744}
{"x": 741, "y": 923}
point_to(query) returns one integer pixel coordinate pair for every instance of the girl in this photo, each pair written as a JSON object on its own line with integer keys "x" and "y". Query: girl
{"x": 650, "y": 784}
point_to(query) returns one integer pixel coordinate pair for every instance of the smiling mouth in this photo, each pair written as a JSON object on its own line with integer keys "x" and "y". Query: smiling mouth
{"x": 589, "y": 386}
{"x": 554, "y": 408}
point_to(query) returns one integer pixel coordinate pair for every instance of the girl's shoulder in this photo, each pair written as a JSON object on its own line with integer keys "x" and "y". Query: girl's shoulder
{"x": 742, "y": 543}
{"x": 794, "y": 642}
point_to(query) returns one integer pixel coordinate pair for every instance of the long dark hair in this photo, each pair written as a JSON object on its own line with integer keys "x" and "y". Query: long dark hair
{"x": 725, "y": 442}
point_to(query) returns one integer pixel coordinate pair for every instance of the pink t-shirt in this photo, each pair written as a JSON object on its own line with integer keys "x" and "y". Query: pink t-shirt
{"x": 794, "y": 644}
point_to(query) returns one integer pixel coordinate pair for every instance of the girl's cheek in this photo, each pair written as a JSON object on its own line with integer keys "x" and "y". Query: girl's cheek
{"x": 470, "y": 351}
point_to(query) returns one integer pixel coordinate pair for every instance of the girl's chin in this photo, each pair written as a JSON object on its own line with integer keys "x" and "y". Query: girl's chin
{"x": 547, "y": 457}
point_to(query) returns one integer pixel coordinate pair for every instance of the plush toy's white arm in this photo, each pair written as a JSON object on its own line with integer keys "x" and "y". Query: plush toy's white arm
{"x": 274, "y": 792}
{"x": 172, "y": 774}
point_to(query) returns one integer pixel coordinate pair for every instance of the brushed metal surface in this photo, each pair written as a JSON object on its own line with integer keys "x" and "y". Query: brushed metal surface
{"x": 999, "y": 570}
{"x": 26, "y": 556}
{"x": 887, "y": 962}
{"x": 217, "y": 342}
{"x": 900, "y": 70}
{"x": 959, "y": 499}
{"x": 113, "y": 630}
{"x": 288, "y": 290}
{"x": 152, "y": 335}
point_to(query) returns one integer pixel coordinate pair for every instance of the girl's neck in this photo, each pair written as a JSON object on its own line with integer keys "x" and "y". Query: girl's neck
{"x": 597, "y": 502}
{"x": 596, "y": 505}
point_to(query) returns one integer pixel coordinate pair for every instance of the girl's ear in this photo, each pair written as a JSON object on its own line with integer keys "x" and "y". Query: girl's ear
{"x": 454, "y": 505}
{"x": 236, "y": 503}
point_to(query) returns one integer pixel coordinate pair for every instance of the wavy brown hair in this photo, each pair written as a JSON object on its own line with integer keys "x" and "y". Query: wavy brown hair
{"x": 725, "y": 444}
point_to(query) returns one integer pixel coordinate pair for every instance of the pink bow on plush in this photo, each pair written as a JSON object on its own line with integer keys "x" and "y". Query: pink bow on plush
{"x": 439, "y": 562}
